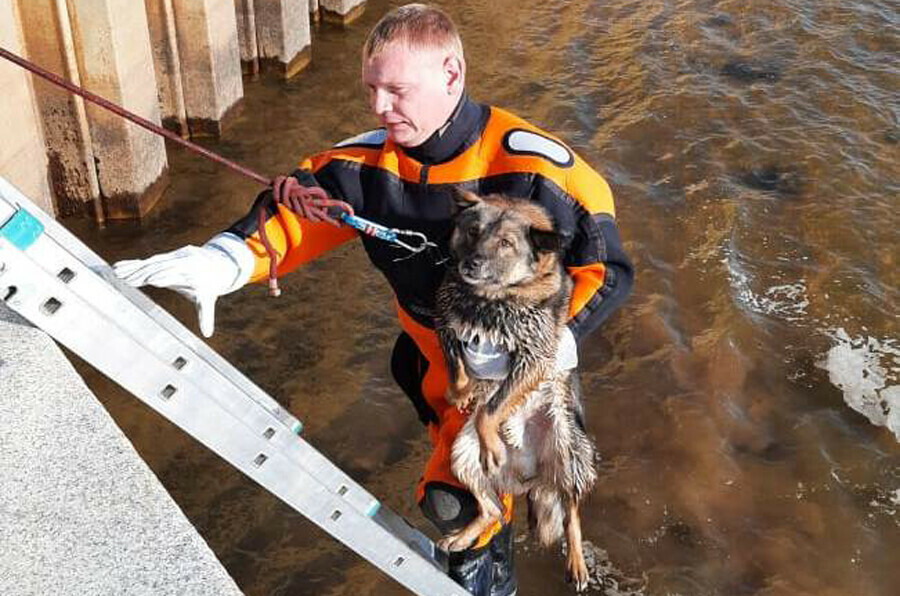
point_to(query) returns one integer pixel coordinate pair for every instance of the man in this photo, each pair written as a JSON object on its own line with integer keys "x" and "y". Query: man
{"x": 434, "y": 138}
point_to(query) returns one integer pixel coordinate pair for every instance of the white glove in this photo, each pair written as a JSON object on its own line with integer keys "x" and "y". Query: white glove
{"x": 200, "y": 273}
{"x": 484, "y": 360}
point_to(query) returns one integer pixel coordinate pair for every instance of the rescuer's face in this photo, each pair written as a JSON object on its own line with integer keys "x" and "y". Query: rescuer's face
{"x": 412, "y": 91}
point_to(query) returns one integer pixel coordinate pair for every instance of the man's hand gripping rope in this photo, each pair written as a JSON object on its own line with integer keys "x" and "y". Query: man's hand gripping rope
{"x": 310, "y": 202}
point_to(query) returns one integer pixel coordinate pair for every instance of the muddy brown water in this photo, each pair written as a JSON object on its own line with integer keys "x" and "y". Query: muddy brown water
{"x": 753, "y": 152}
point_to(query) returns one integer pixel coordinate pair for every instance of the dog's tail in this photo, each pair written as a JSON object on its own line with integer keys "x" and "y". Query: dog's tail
{"x": 545, "y": 514}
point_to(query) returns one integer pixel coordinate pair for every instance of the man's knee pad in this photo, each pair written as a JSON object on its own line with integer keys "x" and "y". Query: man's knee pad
{"x": 450, "y": 508}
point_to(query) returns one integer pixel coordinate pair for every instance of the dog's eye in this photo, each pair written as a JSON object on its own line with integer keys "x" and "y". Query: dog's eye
{"x": 472, "y": 232}
{"x": 504, "y": 243}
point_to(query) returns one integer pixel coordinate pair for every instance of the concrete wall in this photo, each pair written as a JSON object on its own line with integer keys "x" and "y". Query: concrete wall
{"x": 23, "y": 160}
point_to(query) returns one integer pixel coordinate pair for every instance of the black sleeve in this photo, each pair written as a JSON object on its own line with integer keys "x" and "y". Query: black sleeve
{"x": 617, "y": 283}
{"x": 590, "y": 238}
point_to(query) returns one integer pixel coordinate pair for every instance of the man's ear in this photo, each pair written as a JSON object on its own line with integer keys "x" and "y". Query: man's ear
{"x": 463, "y": 199}
{"x": 454, "y": 73}
{"x": 545, "y": 240}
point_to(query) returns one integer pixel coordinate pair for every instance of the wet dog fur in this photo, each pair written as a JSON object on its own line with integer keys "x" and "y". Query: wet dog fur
{"x": 525, "y": 433}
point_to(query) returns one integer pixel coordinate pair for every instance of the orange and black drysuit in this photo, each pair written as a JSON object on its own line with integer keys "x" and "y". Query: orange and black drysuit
{"x": 482, "y": 149}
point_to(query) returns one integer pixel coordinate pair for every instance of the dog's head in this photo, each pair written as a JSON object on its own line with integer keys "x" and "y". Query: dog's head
{"x": 499, "y": 243}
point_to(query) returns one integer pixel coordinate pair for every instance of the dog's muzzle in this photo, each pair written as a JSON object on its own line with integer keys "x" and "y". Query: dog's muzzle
{"x": 473, "y": 269}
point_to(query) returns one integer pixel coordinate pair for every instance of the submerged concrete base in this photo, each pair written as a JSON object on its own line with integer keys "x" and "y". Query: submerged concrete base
{"x": 285, "y": 70}
{"x": 80, "y": 512}
{"x": 204, "y": 127}
{"x": 341, "y": 12}
{"x": 134, "y": 205}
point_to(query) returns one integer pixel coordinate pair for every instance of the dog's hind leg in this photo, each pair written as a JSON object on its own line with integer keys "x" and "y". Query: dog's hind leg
{"x": 576, "y": 568}
{"x": 545, "y": 514}
{"x": 466, "y": 465}
{"x": 488, "y": 513}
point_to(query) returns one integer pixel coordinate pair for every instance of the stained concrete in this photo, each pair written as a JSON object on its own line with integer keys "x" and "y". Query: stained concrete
{"x": 48, "y": 41}
{"x": 274, "y": 35}
{"x": 167, "y": 65}
{"x": 23, "y": 160}
{"x": 80, "y": 512}
{"x": 282, "y": 34}
{"x": 210, "y": 62}
{"x": 342, "y": 12}
{"x": 112, "y": 44}
{"x": 245, "y": 13}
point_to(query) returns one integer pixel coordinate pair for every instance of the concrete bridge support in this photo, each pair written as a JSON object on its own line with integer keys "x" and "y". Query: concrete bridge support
{"x": 23, "y": 160}
{"x": 274, "y": 34}
{"x": 341, "y": 12}
{"x": 49, "y": 42}
{"x": 167, "y": 64}
{"x": 210, "y": 62}
{"x": 112, "y": 44}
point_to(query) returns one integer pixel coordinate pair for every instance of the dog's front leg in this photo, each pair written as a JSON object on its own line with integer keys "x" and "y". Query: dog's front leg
{"x": 459, "y": 388}
{"x": 524, "y": 377}
{"x": 493, "y": 450}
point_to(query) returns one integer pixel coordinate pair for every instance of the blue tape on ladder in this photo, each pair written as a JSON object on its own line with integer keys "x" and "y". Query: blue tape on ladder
{"x": 22, "y": 229}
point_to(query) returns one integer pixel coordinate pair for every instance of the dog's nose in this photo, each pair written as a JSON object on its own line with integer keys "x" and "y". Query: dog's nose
{"x": 472, "y": 267}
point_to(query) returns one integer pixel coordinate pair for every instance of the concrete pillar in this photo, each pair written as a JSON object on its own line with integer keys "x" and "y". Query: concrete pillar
{"x": 342, "y": 12}
{"x": 167, "y": 64}
{"x": 245, "y": 11}
{"x": 23, "y": 160}
{"x": 280, "y": 31}
{"x": 210, "y": 63}
{"x": 283, "y": 36}
{"x": 112, "y": 44}
{"x": 49, "y": 43}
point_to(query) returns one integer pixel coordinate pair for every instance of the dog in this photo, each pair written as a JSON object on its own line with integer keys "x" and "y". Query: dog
{"x": 504, "y": 303}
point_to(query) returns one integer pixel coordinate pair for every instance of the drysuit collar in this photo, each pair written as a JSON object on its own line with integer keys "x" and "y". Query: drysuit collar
{"x": 459, "y": 132}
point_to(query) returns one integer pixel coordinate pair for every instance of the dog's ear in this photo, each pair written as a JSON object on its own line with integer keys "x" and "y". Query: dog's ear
{"x": 463, "y": 199}
{"x": 545, "y": 240}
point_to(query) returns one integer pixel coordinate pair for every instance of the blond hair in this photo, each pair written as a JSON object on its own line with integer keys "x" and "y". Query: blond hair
{"x": 419, "y": 26}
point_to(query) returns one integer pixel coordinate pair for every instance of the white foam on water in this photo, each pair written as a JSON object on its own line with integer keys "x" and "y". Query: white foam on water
{"x": 604, "y": 578}
{"x": 786, "y": 301}
{"x": 867, "y": 371}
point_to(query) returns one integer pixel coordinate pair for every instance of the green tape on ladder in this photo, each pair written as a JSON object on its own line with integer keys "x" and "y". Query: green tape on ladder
{"x": 22, "y": 229}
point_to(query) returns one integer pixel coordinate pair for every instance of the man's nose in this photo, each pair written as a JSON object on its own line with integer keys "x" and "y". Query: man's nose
{"x": 381, "y": 102}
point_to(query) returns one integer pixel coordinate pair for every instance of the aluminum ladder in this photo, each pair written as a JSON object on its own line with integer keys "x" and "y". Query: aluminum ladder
{"x": 56, "y": 282}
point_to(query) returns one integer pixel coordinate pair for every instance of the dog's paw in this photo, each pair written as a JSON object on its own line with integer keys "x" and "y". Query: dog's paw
{"x": 577, "y": 571}
{"x": 456, "y": 541}
{"x": 493, "y": 457}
